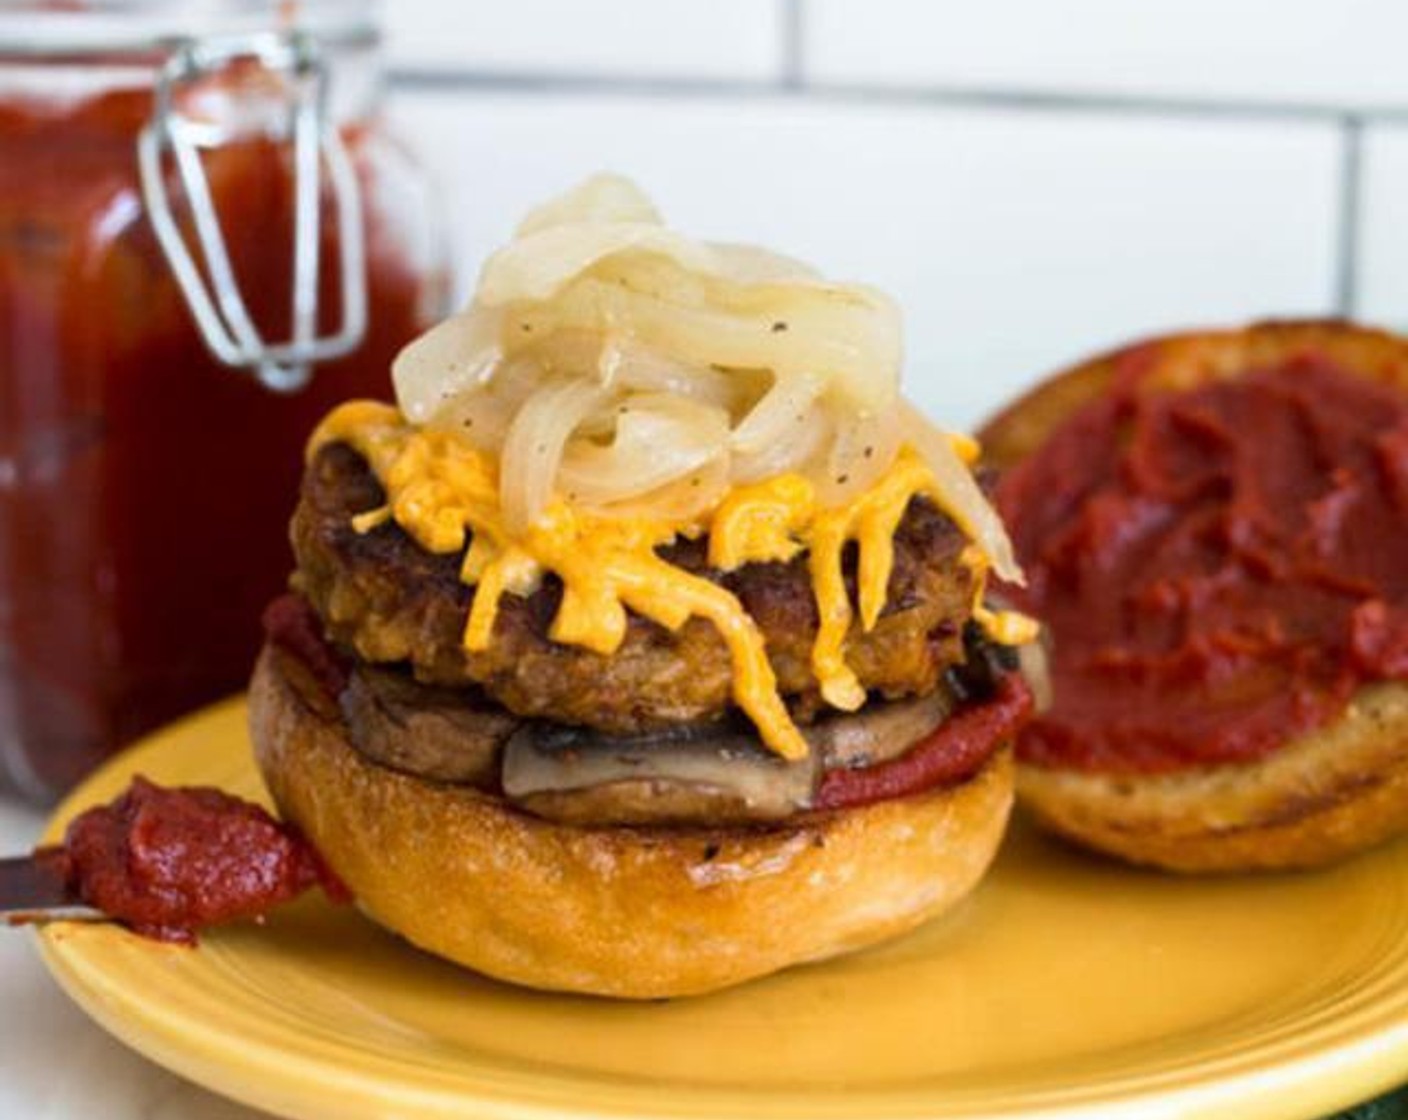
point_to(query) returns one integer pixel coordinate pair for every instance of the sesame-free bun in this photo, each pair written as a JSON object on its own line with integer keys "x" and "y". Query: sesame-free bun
{"x": 629, "y": 912}
{"x": 1319, "y": 797}
{"x": 1322, "y": 796}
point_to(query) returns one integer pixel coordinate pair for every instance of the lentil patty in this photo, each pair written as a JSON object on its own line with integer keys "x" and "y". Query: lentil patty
{"x": 386, "y": 599}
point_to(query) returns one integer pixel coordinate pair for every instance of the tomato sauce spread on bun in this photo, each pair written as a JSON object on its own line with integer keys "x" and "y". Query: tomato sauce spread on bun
{"x": 1220, "y": 568}
{"x": 1214, "y": 528}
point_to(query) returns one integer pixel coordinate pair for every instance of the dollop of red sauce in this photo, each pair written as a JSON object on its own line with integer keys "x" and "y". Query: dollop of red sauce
{"x": 1220, "y": 568}
{"x": 169, "y": 862}
{"x": 953, "y": 752}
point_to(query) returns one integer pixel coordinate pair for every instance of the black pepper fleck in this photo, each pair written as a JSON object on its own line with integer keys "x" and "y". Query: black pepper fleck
{"x": 779, "y": 327}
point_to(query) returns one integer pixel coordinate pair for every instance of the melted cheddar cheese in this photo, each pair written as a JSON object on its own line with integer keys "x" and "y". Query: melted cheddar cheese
{"x": 444, "y": 493}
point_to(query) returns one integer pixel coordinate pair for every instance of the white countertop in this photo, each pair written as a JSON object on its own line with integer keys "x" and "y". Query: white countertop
{"x": 57, "y": 1065}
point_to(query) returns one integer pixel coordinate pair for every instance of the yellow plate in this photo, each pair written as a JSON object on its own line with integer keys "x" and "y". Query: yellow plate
{"x": 1065, "y": 988}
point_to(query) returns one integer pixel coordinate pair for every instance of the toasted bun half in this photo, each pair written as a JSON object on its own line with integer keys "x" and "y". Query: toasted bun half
{"x": 638, "y": 913}
{"x": 1319, "y": 797}
{"x": 1185, "y": 361}
{"x": 1322, "y": 796}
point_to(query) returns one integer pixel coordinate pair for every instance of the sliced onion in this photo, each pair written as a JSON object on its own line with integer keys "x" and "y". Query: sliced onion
{"x": 658, "y": 276}
{"x": 778, "y": 414}
{"x": 658, "y": 438}
{"x": 862, "y": 451}
{"x": 537, "y": 267}
{"x": 451, "y": 358}
{"x": 960, "y": 496}
{"x": 615, "y": 359}
{"x": 831, "y": 333}
{"x": 752, "y": 264}
{"x": 563, "y": 353}
{"x": 601, "y": 198}
{"x": 648, "y": 370}
{"x": 800, "y": 448}
{"x": 766, "y": 368}
{"x": 1035, "y": 663}
{"x": 484, "y": 415}
{"x": 545, "y": 256}
{"x": 533, "y": 447}
{"x": 686, "y": 499}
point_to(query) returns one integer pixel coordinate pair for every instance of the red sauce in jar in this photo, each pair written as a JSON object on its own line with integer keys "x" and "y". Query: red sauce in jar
{"x": 169, "y": 862}
{"x": 143, "y": 487}
{"x": 1220, "y": 568}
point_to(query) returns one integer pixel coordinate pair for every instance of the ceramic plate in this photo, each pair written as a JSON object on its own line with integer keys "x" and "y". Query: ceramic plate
{"x": 1066, "y": 987}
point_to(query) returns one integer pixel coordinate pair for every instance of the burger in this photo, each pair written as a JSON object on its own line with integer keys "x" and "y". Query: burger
{"x": 642, "y": 646}
{"x": 1215, "y": 531}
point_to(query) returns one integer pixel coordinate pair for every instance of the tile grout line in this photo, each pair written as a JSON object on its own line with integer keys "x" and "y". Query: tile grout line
{"x": 1348, "y": 219}
{"x": 793, "y": 43}
{"x": 431, "y": 79}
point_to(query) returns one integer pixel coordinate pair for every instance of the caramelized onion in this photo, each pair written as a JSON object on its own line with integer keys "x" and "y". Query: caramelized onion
{"x": 863, "y": 449}
{"x": 784, "y": 406}
{"x": 451, "y": 359}
{"x": 799, "y": 447}
{"x": 960, "y": 496}
{"x": 533, "y": 447}
{"x": 594, "y": 288}
{"x": 623, "y": 365}
{"x": 658, "y": 438}
{"x": 1034, "y": 661}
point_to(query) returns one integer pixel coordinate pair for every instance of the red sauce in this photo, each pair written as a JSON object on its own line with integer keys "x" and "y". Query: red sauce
{"x": 1220, "y": 568}
{"x": 143, "y": 487}
{"x": 955, "y": 751}
{"x": 169, "y": 862}
{"x": 291, "y": 623}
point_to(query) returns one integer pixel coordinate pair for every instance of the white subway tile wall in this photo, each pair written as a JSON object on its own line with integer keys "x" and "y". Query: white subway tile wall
{"x": 1013, "y": 241}
{"x": 1033, "y": 188}
{"x": 737, "y": 39}
{"x": 1383, "y": 225}
{"x": 1292, "y": 51}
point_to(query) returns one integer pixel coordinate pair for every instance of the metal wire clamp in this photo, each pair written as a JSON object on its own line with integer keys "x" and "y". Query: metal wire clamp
{"x": 220, "y": 311}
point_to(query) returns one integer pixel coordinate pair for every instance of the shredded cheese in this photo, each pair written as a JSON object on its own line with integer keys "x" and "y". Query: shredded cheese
{"x": 445, "y": 495}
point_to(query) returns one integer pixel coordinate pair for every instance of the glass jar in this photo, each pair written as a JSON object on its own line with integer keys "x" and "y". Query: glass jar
{"x": 207, "y": 237}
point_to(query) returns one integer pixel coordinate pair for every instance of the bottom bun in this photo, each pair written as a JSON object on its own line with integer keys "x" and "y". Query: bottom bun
{"x": 1322, "y": 796}
{"x": 638, "y": 913}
